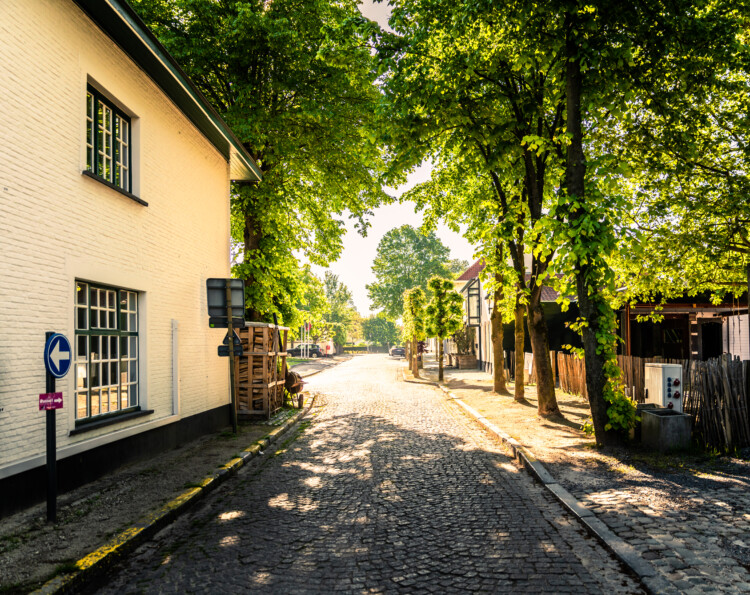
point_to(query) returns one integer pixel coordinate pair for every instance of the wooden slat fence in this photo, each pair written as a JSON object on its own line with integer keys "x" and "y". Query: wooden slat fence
{"x": 572, "y": 374}
{"x": 718, "y": 400}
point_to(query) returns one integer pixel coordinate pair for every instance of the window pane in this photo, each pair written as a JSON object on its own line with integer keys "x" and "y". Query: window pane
{"x": 133, "y": 347}
{"x": 132, "y": 323}
{"x": 95, "y": 402}
{"x": 105, "y": 400}
{"x": 81, "y": 379}
{"x": 124, "y": 347}
{"x": 81, "y": 400}
{"x": 112, "y": 323}
{"x": 95, "y": 375}
{"x": 113, "y": 347}
{"x": 81, "y": 352}
{"x": 105, "y": 348}
{"x": 113, "y": 399}
{"x": 94, "y": 348}
{"x": 82, "y": 319}
{"x": 82, "y": 292}
{"x": 133, "y": 373}
{"x": 94, "y": 298}
{"x": 133, "y": 397}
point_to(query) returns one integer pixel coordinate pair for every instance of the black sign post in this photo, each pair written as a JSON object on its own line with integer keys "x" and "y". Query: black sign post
{"x": 51, "y": 450}
{"x": 230, "y": 333}
{"x": 226, "y": 308}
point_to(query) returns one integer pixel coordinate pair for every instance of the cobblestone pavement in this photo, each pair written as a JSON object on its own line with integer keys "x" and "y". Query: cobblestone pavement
{"x": 388, "y": 489}
{"x": 692, "y": 526}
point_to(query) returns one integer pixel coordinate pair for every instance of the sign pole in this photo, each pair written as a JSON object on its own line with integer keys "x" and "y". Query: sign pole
{"x": 51, "y": 451}
{"x": 230, "y": 333}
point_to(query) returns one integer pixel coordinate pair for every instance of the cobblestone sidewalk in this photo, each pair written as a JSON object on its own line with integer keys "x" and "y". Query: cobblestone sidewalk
{"x": 688, "y": 515}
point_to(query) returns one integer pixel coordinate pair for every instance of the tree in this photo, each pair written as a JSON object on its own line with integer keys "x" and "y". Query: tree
{"x": 457, "y": 266}
{"x": 379, "y": 330}
{"x": 296, "y": 87}
{"x": 312, "y": 305}
{"x": 444, "y": 314}
{"x": 486, "y": 106}
{"x": 414, "y": 323}
{"x": 341, "y": 311}
{"x": 406, "y": 258}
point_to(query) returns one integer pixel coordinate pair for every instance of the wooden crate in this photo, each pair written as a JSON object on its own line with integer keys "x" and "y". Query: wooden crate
{"x": 260, "y": 371}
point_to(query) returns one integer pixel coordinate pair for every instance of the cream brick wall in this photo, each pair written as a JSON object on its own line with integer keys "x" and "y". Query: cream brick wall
{"x": 57, "y": 225}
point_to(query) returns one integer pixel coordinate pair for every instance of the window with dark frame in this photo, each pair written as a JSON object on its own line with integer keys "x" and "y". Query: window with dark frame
{"x": 107, "y": 141}
{"x": 106, "y": 351}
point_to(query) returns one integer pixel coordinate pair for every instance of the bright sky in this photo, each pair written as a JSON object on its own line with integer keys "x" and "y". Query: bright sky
{"x": 354, "y": 266}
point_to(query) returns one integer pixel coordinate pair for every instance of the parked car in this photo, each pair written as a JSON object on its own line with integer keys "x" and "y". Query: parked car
{"x": 397, "y": 352}
{"x": 310, "y": 350}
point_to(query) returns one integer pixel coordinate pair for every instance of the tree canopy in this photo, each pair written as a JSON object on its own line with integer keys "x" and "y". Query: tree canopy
{"x": 380, "y": 330}
{"x": 297, "y": 89}
{"x": 406, "y": 258}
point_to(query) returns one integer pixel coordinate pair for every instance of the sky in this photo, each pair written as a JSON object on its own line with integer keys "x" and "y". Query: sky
{"x": 354, "y": 268}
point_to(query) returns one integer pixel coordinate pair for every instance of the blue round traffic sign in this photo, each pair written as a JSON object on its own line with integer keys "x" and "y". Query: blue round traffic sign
{"x": 58, "y": 355}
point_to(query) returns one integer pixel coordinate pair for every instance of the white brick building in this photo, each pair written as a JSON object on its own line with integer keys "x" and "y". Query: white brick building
{"x": 114, "y": 209}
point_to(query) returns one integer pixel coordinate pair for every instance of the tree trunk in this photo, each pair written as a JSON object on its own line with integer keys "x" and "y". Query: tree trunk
{"x": 589, "y": 307}
{"x": 252, "y": 235}
{"x": 545, "y": 382}
{"x": 414, "y": 358}
{"x": 498, "y": 361}
{"x": 440, "y": 359}
{"x": 519, "y": 336}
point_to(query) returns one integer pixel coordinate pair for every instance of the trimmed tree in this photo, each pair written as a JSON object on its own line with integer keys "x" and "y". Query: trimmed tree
{"x": 380, "y": 330}
{"x": 444, "y": 314}
{"x": 414, "y": 327}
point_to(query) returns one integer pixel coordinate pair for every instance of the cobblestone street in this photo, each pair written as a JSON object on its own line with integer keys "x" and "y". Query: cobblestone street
{"x": 389, "y": 488}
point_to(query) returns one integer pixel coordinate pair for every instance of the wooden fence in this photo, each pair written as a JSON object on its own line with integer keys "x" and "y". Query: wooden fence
{"x": 572, "y": 374}
{"x": 718, "y": 400}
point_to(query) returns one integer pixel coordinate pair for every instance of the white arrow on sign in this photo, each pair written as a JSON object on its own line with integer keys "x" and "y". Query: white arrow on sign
{"x": 56, "y": 355}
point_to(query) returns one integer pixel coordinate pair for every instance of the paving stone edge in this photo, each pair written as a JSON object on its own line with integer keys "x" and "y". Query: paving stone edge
{"x": 650, "y": 579}
{"x": 94, "y": 564}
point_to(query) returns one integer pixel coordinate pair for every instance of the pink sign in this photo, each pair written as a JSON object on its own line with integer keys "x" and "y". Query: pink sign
{"x": 50, "y": 401}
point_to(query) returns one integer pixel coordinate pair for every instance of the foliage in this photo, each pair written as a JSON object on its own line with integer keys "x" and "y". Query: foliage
{"x": 379, "y": 330}
{"x": 406, "y": 258}
{"x": 414, "y": 314}
{"x": 311, "y": 306}
{"x": 341, "y": 312}
{"x": 296, "y": 87}
{"x": 464, "y": 340}
{"x": 445, "y": 310}
{"x": 457, "y": 267}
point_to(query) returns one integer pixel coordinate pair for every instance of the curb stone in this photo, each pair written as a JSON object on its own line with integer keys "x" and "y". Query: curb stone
{"x": 91, "y": 566}
{"x": 622, "y": 550}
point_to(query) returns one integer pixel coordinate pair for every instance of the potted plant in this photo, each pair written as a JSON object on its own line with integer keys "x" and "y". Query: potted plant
{"x": 464, "y": 340}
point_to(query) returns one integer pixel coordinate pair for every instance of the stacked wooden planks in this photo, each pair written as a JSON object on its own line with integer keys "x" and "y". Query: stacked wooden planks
{"x": 261, "y": 370}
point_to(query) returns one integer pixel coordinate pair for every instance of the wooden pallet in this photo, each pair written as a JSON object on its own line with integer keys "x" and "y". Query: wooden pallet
{"x": 261, "y": 370}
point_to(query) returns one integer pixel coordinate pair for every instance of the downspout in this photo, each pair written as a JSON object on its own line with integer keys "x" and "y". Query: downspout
{"x": 479, "y": 317}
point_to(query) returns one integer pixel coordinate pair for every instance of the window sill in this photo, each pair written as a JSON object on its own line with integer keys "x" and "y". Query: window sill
{"x": 88, "y": 426}
{"x": 131, "y": 196}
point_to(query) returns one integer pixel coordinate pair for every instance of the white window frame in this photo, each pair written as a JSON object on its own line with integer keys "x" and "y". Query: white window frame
{"x": 106, "y": 351}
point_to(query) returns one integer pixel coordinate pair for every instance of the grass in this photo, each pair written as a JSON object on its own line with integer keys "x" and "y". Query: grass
{"x": 293, "y": 361}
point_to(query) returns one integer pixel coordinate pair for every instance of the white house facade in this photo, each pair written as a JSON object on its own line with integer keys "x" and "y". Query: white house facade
{"x": 114, "y": 209}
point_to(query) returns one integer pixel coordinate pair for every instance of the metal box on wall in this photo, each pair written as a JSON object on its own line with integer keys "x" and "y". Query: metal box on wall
{"x": 664, "y": 385}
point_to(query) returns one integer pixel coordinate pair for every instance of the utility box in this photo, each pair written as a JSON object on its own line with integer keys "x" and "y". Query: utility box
{"x": 664, "y": 385}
